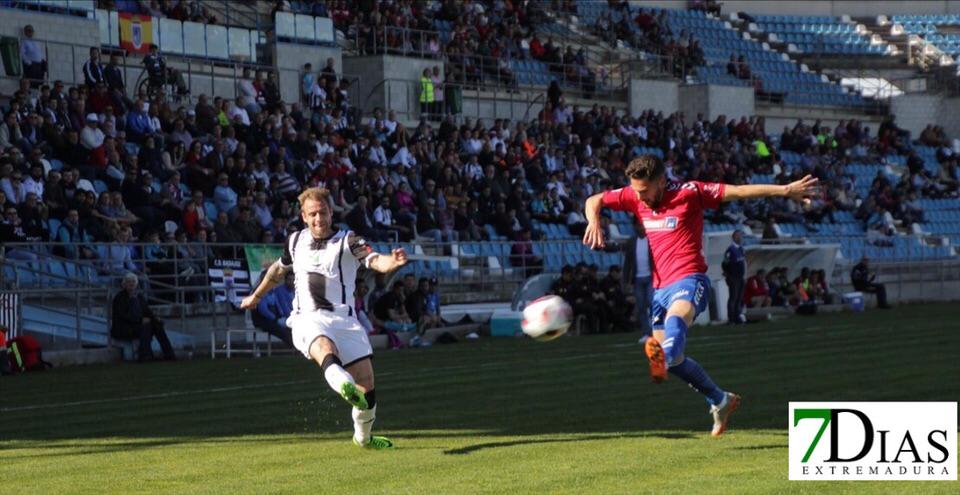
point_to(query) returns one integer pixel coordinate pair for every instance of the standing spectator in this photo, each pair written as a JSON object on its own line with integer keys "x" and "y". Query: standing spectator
{"x": 328, "y": 75}
{"x": 637, "y": 273}
{"x": 33, "y": 56}
{"x": 864, "y": 281}
{"x": 272, "y": 312}
{"x": 306, "y": 83}
{"x": 92, "y": 70}
{"x": 734, "y": 268}
{"x": 426, "y": 93}
{"x": 113, "y": 74}
{"x": 437, "y": 78}
{"x": 159, "y": 73}
{"x": 133, "y": 319}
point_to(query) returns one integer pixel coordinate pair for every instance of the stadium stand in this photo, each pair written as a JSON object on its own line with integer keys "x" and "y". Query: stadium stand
{"x": 819, "y": 34}
{"x": 216, "y": 173}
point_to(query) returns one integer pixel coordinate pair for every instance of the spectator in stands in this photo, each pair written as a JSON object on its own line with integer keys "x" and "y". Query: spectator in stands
{"x": 522, "y": 256}
{"x": 132, "y": 319}
{"x": 757, "y": 291}
{"x": 33, "y": 56}
{"x": 272, "y": 312}
{"x": 422, "y": 308}
{"x": 637, "y": 275}
{"x": 734, "y": 268}
{"x": 438, "y": 97}
{"x": 428, "y": 224}
{"x": 12, "y": 231}
{"x": 113, "y": 75}
{"x": 249, "y": 92}
{"x": 426, "y": 93}
{"x": 160, "y": 74}
{"x": 91, "y": 137}
{"x": 864, "y": 280}
{"x": 93, "y": 70}
{"x": 329, "y": 73}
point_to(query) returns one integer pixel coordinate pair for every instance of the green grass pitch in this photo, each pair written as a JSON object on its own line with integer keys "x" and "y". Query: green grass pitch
{"x": 578, "y": 415}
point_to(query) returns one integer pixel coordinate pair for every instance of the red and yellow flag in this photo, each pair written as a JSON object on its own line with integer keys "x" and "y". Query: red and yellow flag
{"x": 136, "y": 32}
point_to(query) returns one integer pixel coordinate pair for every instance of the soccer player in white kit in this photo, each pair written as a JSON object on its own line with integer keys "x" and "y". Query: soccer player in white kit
{"x": 324, "y": 325}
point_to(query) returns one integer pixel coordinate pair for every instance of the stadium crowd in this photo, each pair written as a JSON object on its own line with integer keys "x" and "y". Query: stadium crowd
{"x": 114, "y": 169}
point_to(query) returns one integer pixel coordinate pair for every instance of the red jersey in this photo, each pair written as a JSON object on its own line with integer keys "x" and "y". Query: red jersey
{"x": 675, "y": 229}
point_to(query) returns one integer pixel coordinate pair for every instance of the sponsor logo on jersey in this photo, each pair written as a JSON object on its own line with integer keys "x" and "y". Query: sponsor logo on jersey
{"x": 655, "y": 224}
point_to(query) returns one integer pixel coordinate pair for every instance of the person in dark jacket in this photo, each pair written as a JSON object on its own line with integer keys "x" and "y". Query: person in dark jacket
{"x": 734, "y": 269}
{"x": 133, "y": 319}
{"x": 863, "y": 281}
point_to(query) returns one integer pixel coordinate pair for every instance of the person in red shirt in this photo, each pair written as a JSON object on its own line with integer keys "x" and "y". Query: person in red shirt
{"x": 757, "y": 292}
{"x": 672, "y": 214}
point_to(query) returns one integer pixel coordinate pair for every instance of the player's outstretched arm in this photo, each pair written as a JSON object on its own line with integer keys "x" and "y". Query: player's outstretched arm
{"x": 801, "y": 190}
{"x": 593, "y": 235}
{"x": 273, "y": 278}
{"x": 386, "y": 263}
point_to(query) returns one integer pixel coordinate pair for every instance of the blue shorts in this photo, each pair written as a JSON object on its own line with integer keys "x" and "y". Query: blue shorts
{"x": 693, "y": 288}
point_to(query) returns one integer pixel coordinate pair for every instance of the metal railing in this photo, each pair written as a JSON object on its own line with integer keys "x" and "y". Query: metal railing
{"x": 487, "y": 71}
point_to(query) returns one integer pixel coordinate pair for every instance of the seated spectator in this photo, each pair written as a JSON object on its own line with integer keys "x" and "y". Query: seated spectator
{"x": 618, "y": 303}
{"x": 756, "y": 294}
{"x": 133, "y": 319}
{"x": 391, "y": 310}
{"x": 417, "y": 304}
{"x": 864, "y": 280}
{"x": 522, "y": 257}
{"x": 272, "y": 312}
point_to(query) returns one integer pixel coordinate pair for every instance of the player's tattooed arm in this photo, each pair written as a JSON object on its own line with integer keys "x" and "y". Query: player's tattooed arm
{"x": 274, "y": 277}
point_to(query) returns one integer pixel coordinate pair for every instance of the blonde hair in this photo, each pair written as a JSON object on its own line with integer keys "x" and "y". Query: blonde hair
{"x": 319, "y": 194}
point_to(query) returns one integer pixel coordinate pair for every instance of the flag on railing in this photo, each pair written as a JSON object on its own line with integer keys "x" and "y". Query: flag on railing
{"x": 9, "y": 317}
{"x": 136, "y": 32}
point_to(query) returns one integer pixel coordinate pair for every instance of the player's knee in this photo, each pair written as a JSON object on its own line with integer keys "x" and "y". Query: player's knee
{"x": 676, "y": 361}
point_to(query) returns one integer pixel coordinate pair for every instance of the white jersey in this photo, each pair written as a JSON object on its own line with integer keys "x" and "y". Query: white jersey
{"x": 325, "y": 270}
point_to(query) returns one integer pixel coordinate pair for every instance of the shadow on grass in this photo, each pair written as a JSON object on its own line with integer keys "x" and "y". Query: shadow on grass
{"x": 761, "y": 447}
{"x": 534, "y": 441}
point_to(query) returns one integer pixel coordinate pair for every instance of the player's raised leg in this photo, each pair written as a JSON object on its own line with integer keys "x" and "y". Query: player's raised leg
{"x": 324, "y": 352}
{"x": 686, "y": 298}
{"x": 363, "y": 418}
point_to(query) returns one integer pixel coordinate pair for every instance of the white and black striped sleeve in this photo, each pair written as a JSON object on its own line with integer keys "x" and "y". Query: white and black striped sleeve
{"x": 360, "y": 249}
{"x": 286, "y": 259}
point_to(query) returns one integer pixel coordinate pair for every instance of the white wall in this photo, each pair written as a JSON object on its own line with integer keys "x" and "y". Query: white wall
{"x": 662, "y": 96}
{"x": 915, "y": 111}
{"x": 713, "y": 100}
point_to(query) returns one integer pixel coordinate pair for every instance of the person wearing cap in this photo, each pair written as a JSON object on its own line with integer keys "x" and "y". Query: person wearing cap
{"x": 33, "y": 56}
{"x": 91, "y": 137}
{"x": 734, "y": 269}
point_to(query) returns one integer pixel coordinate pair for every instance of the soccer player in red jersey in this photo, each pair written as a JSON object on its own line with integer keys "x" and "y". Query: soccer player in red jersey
{"x": 672, "y": 213}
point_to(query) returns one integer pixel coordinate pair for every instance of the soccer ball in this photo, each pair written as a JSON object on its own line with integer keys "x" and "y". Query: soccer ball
{"x": 546, "y": 318}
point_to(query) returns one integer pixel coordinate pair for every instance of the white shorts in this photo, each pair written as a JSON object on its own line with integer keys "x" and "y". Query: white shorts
{"x": 346, "y": 332}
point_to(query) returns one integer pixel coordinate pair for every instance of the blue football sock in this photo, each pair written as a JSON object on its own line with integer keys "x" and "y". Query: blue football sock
{"x": 674, "y": 339}
{"x": 691, "y": 372}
